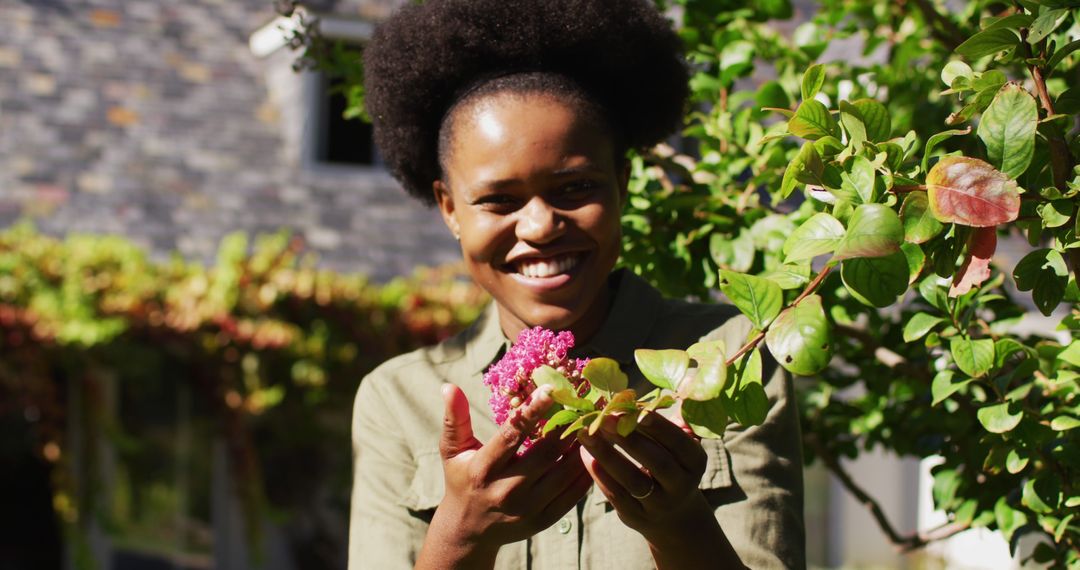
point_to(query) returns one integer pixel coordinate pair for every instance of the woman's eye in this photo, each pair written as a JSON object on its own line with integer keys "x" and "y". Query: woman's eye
{"x": 578, "y": 189}
{"x": 497, "y": 202}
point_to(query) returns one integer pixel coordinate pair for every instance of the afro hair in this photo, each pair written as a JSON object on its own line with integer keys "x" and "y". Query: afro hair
{"x": 622, "y": 53}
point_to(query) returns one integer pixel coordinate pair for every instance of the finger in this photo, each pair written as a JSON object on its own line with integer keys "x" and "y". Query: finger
{"x": 504, "y": 444}
{"x": 543, "y": 453}
{"x": 566, "y": 500}
{"x": 555, "y": 479}
{"x": 616, "y": 494}
{"x": 457, "y": 433}
{"x": 622, "y": 470}
{"x": 685, "y": 448}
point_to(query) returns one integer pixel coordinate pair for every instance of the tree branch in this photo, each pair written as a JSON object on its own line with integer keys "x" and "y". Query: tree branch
{"x": 810, "y": 288}
{"x": 903, "y": 543}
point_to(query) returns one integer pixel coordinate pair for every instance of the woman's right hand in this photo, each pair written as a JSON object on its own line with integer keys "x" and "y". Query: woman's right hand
{"x": 493, "y": 497}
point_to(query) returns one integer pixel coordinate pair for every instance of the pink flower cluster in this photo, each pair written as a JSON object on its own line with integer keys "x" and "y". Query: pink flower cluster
{"x": 510, "y": 379}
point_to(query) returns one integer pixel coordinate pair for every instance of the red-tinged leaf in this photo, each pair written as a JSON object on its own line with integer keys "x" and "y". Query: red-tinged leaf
{"x": 976, "y": 267}
{"x": 969, "y": 191}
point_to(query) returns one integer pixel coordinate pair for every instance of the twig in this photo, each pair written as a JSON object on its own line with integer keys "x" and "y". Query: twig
{"x": 753, "y": 342}
{"x": 903, "y": 543}
{"x": 1060, "y": 157}
{"x": 901, "y": 188}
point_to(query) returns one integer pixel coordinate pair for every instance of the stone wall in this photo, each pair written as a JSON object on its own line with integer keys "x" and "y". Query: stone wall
{"x": 152, "y": 119}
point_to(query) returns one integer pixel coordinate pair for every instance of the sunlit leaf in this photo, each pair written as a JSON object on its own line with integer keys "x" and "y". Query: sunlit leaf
{"x": 561, "y": 418}
{"x": 934, "y": 140}
{"x": 971, "y": 192}
{"x": 873, "y": 231}
{"x": 800, "y": 338}
{"x": 1007, "y": 128}
{"x": 876, "y": 119}
{"x": 812, "y": 80}
{"x": 974, "y": 357}
{"x": 998, "y": 419}
{"x": 812, "y": 121}
{"x": 919, "y": 324}
{"x": 707, "y": 379}
{"x": 788, "y": 276}
{"x": 664, "y": 368}
{"x": 920, "y": 225}
{"x": 816, "y": 236}
{"x": 604, "y": 374}
{"x": 757, "y": 298}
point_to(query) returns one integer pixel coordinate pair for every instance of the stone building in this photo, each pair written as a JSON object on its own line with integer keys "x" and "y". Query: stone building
{"x": 155, "y": 120}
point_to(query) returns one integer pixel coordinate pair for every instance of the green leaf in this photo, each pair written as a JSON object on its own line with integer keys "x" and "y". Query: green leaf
{"x": 1007, "y": 128}
{"x": 916, "y": 260}
{"x": 664, "y": 368}
{"x": 1041, "y": 494}
{"x": 1046, "y": 23}
{"x": 873, "y": 231}
{"x": 943, "y": 386}
{"x": 561, "y": 418}
{"x": 1064, "y": 423}
{"x": 1008, "y": 519}
{"x": 708, "y": 419}
{"x": 757, "y": 298}
{"x": 707, "y": 379}
{"x": 812, "y": 80}
{"x": 988, "y": 42}
{"x": 1016, "y": 460}
{"x": 974, "y": 357}
{"x": 997, "y": 418}
{"x": 876, "y": 281}
{"x": 1056, "y": 213}
{"x": 563, "y": 392}
{"x": 788, "y": 276}
{"x": 578, "y": 424}
{"x": 816, "y": 236}
{"x": 859, "y": 179}
{"x": 875, "y": 118}
{"x": 812, "y": 121}
{"x": 735, "y": 254}
{"x": 800, "y": 338}
{"x": 750, "y": 405}
{"x": 1044, "y": 273}
{"x": 604, "y": 374}
{"x": 934, "y": 140}
{"x": 1013, "y": 22}
{"x": 1060, "y": 55}
{"x": 919, "y": 325}
{"x": 920, "y": 225}
{"x": 1071, "y": 354}
{"x": 969, "y": 191}
{"x": 954, "y": 69}
{"x": 852, "y": 121}
{"x": 807, "y": 168}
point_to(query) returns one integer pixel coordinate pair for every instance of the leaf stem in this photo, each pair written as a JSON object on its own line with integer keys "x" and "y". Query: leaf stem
{"x": 753, "y": 342}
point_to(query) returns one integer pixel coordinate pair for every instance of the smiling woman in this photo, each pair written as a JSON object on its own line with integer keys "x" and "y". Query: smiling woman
{"x": 514, "y": 117}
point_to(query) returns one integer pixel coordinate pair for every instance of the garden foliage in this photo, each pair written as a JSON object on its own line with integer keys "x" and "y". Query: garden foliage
{"x": 845, "y": 183}
{"x": 269, "y": 347}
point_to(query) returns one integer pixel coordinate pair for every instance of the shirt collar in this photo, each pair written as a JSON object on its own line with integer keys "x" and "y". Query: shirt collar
{"x": 626, "y": 328}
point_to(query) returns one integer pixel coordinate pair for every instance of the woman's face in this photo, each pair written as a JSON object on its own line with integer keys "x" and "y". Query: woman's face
{"x": 534, "y": 192}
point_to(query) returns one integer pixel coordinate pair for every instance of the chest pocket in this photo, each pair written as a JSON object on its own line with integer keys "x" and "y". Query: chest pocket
{"x": 427, "y": 487}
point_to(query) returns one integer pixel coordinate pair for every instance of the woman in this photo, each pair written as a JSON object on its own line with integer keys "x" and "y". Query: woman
{"x": 514, "y": 118}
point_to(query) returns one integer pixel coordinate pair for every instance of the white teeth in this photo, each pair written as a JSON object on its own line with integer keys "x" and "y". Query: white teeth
{"x": 547, "y": 267}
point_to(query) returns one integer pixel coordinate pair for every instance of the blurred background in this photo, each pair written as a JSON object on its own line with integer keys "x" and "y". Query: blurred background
{"x": 199, "y": 260}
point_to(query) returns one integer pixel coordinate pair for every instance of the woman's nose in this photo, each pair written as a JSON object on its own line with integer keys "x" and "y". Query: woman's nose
{"x": 539, "y": 222}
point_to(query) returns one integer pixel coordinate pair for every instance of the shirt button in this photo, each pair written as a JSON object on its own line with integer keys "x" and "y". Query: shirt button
{"x": 564, "y": 526}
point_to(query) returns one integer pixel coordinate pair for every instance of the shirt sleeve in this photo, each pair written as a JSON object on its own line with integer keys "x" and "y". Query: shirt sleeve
{"x": 383, "y": 533}
{"x": 764, "y": 519}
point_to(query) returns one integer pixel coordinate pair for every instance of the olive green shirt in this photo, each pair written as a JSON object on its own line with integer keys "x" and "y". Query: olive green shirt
{"x": 753, "y": 477}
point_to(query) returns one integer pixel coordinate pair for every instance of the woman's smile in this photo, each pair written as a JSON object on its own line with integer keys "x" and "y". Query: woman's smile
{"x": 533, "y": 190}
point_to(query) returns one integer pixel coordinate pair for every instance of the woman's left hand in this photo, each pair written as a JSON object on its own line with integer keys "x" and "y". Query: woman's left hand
{"x": 661, "y": 499}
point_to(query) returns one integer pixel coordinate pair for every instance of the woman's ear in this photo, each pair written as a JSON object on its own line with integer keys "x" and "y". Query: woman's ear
{"x": 445, "y": 200}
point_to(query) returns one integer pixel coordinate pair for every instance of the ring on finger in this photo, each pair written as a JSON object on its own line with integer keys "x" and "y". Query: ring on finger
{"x": 642, "y": 497}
